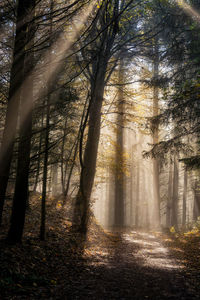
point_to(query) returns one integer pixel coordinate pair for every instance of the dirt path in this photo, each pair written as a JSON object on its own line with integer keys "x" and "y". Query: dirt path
{"x": 136, "y": 266}
{"x": 129, "y": 265}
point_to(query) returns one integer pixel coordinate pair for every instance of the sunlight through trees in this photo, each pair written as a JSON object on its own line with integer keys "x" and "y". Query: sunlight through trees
{"x": 99, "y": 107}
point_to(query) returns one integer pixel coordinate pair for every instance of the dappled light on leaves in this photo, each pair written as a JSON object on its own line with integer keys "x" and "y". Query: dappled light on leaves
{"x": 152, "y": 251}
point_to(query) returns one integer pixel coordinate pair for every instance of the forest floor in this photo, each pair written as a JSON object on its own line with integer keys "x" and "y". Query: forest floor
{"x": 114, "y": 265}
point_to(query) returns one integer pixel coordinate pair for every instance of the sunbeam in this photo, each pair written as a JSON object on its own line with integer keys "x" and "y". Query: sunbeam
{"x": 99, "y": 149}
{"x": 189, "y": 10}
{"x": 50, "y": 67}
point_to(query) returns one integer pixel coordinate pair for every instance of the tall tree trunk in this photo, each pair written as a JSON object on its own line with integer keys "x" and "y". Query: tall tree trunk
{"x": 39, "y": 154}
{"x": 131, "y": 190}
{"x": 196, "y": 207}
{"x": 46, "y": 151}
{"x": 110, "y": 199}
{"x": 25, "y": 132}
{"x": 16, "y": 80}
{"x": 184, "y": 198}
{"x": 169, "y": 197}
{"x": 45, "y": 173}
{"x": 75, "y": 148}
{"x": 88, "y": 170}
{"x": 54, "y": 179}
{"x": 137, "y": 199}
{"x": 175, "y": 193}
{"x": 155, "y": 133}
{"x": 63, "y": 162}
{"x": 97, "y": 73}
{"x": 145, "y": 200}
{"x": 119, "y": 158}
{"x": 66, "y": 191}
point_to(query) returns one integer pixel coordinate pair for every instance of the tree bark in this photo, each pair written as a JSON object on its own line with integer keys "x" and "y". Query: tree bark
{"x": 97, "y": 74}
{"x": 90, "y": 155}
{"x": 63, "y": 162}
{"x": 175, "y": 193}
{"x": 184, "y": 198}
{"x": 196, "y": 207}
{"x": 39, "y": 155}
{"x": 46, "y": 151}
{"x": 119, "y": 159}
{"x": 137, "y": 203}
{"x": 155, "y": 134}
{"x": 16, "y": 80}
{"x": 169, "y": 197}
{"x": 25, "y": 132}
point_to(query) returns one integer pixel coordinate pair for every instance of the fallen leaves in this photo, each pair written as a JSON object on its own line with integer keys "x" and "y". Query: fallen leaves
{"x": 107, "y": 267}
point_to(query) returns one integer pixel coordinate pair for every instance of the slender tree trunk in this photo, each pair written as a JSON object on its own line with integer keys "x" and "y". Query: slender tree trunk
{"x": 184, "y": 198}
{"x": 131, "y": 190}
{"x": 63, "y": 170}
{"x": 39, "y": 155}
{"x": 110, "y": 199}
{"x": 196, "y": 207}
{"x": 70, "y": 174}
{"x": 175, "y": 193}
{"x": 54, "y": 179}
{"x": 119, "y": 158}
{"x": 45, "y": 173}
{"x": 145, "y": 200}
{"x": 88, "y": 170}
{"x": 137, "y": 196}
{"x": 46, "y": 152}
{"x": 76, "y": 144}
{"x": 155, "y": 134}
{"x": 169, "y": 197}
{"x": 16, "y": 80}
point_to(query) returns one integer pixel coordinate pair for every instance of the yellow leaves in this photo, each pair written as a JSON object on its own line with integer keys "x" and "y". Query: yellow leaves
{"x": 59, "y": 204}
{"x": 194, "y": 231}
{"x": 180, "y": 2}
{"x": 99, "y": 3}
{"x": 172, "y": 229}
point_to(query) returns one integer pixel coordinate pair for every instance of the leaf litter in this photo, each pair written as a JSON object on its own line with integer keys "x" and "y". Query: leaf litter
{"x": 112, "y": 265}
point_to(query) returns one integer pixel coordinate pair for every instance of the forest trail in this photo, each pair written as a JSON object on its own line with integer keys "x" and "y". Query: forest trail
{"x": 115, "y": 265}
{"x": 139, "y": 266}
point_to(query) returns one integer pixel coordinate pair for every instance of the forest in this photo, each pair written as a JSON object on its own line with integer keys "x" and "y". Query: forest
{"x": 99, "y": 149}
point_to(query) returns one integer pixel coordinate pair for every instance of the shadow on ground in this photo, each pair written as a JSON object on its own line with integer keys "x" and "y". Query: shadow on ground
{"x": 115, "y": 265}
{"x": 134, "y": 266}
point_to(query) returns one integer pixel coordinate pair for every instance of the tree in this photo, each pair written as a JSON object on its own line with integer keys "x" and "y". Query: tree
{"x": 16, "y": 80}
{"x": 25, "y": 133}
{"x": 119, "y": 164}
{"x": 107, "y": 26}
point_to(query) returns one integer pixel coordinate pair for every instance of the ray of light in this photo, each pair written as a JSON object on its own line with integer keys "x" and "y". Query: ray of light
{"x": 52, "y": 60}
{"x": 189, "y": 9}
